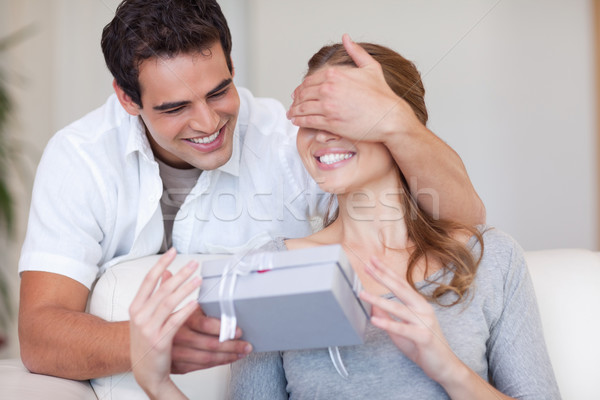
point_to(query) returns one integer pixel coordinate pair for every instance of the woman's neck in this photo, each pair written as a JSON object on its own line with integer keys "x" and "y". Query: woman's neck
{"x": 371, "y": 222}
{"x": 366, "y": 229}
{"x": 372, "y": 217}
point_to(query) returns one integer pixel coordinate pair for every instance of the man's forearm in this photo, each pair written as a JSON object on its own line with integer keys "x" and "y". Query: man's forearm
{"x": 437, "y": 177}
{"x": 73, "y": 345}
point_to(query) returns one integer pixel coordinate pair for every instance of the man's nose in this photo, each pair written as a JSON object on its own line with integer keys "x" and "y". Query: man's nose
{"x": 205, "y": 119}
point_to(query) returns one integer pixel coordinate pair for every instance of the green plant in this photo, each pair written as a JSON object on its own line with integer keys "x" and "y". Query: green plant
{"x": 6, "y": 202}
{"x": 6, "y": 107}
{"x": 7, "y": 158}
{"x": 7, "y": 150}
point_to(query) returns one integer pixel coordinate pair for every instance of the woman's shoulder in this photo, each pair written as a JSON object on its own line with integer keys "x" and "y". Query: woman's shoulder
{"x": 323, "y": 237}
{"x": 498, "y": 241}
{"x": 501, "y": 252}
{"x": 302, "y": 243}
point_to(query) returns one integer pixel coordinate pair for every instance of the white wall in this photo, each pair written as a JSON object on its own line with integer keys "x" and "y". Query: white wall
{"x": 57, "y": 75}
{"x": 510, "y": 86}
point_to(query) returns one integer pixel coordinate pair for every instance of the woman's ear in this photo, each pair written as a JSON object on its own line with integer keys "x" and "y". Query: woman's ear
{"x": 128, "y": 104}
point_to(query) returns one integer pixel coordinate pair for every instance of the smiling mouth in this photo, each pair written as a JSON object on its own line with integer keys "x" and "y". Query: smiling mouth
{"x": 332, "y": 158}
{"x": 205, "y": 139}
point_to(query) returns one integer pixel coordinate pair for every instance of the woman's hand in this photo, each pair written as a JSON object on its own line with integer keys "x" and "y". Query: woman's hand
{"x": 414, "y": 329}
{"x": 154, "y": 324}
{"x": 411, "y": 323}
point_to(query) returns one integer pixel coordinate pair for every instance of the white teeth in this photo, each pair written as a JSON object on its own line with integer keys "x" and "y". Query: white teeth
{"x": 334, "y": 157}
{"x": 206, "y": 139}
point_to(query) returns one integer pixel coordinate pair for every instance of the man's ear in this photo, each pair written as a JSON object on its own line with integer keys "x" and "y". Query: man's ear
{"x": 125, "y": 100}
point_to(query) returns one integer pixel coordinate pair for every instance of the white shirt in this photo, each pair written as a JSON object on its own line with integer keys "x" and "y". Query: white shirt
{"x": 96, "y": 196}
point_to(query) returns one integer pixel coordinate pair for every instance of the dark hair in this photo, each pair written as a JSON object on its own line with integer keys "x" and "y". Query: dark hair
{"x": 142, "y": 29}
{"x": 432, "y": 237}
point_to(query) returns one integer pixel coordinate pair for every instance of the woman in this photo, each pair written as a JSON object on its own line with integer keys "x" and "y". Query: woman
{"x": 447, "y": 316}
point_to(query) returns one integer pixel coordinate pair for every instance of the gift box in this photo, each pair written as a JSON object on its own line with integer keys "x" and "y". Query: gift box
{"x": 290, "y": 300}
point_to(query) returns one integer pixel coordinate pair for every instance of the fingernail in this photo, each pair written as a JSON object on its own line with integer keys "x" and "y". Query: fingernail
{"x": 240, "y": 356}
{"x": 248, "y": 349}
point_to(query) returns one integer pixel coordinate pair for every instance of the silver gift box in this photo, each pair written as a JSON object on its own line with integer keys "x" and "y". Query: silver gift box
{"x": 305, "y": 299}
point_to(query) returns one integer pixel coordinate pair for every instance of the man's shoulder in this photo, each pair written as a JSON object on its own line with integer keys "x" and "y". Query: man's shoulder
{"x": 265, "y": 132}
{"x": 262, "y": 116}
{"x": 102, "y": 129}
{"x": 105, "y": 120}
{"x": 95, "y": 145}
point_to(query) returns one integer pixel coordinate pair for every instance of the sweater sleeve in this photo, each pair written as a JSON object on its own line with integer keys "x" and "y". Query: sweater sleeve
{"x": 519, "y": 365}
{"x": 258, "y": 376}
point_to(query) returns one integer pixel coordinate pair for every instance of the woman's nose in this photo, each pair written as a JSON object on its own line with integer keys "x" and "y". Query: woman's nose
{"x": 324, "y": 136}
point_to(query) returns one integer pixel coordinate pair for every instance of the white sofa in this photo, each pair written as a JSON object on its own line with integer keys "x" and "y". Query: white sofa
{"x": 567, "y": 285}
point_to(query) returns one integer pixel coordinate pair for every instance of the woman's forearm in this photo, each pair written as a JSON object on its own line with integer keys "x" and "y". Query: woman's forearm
{"x": 465, "y": 384}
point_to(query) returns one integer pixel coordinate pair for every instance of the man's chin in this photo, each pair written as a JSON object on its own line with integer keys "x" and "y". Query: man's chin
{"x": 212, "y": 161}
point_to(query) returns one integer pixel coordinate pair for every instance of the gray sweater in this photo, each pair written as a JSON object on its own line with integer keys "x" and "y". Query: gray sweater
{"x": 496, "y": 332}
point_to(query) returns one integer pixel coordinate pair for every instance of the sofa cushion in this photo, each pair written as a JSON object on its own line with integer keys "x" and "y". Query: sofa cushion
{"x": 110, "y": 300}
{"x": 18, "y": 383}
{"x": 567, "y": 287}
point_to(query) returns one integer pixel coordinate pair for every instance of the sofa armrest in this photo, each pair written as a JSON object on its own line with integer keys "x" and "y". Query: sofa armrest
{"x": 18, "y": 383}
{"x": 567, "y": 288}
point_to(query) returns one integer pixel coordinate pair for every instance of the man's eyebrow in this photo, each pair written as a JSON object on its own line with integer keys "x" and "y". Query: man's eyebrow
{"x": 170, "y": 105}
{"x": 219, "y": 87}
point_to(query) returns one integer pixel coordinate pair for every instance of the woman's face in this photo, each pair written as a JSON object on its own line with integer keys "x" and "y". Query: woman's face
{"x": 341, "y": 166}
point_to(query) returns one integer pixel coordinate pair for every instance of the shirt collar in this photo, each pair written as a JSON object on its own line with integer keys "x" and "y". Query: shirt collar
{"x": 137, "y": 140}
{"x": 232, "y": 166}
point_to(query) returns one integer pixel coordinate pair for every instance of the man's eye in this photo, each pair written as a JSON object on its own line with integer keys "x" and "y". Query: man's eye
{"x": 219, "y": 94}
{"x": 174, "y": 110}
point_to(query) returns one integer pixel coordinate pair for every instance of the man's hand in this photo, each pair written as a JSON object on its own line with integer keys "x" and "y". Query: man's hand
{"x": 356, "y": 103}
{"x": 196, "y": 345}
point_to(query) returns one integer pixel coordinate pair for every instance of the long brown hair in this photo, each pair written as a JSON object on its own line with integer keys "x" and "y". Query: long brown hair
{"x": 432, "y": 237}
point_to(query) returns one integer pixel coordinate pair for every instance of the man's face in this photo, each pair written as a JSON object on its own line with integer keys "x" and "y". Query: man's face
{"x": 190, "y": 107}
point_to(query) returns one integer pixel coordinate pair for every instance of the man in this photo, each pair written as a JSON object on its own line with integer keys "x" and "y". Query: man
{"x": 181, "y": 157}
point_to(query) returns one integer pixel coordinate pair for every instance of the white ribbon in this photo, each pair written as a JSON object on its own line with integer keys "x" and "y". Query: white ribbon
{"x": 336, "y": 359}
{"x": 238, "y": 265}
{"x": 334, "y": 351}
